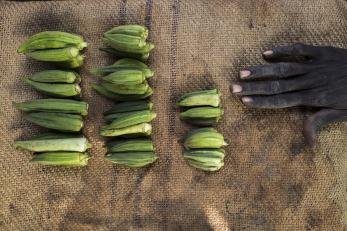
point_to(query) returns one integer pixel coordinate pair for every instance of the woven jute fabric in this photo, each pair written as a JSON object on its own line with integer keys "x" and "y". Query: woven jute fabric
{"x": 270, "y": 181}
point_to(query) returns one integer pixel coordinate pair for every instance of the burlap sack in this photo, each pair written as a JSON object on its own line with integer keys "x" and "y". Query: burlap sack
{"x": 270, "y": 181}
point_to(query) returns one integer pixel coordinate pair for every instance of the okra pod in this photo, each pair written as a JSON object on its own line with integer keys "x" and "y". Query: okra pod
{"x": 120, "y": 54}
{"x": 54, "y": 55}
{"x": 114, "y": 116}
{"x": 138, "y": 130}
{"x": 61, "y": 39}
{"x": 136, "y": 89}
{"x": 130, "y": 145}
{"x": 127, "y": 47}
{"x": 73, "y": 63}
{"x": 132, "y": 118}
{"x": 54, "y": 105}
{"x": 134, "y": 30}
{"x": 211, "y": 156}
{"x": 125, "y": 77}
{"x": 206, "y": 166}
{"x": 124, "y": 42}
{"x": 125, "y": 64}
{"x": 132, "y": 159}
{"x": 204, "y": 138}
{"x": 56, "y": 76}
{"x": 200, "y": 98}
{"x": 117, "y": 97}
{"x": 63, "y": 159}
{"x": 202, "y": 113}
{"x": 130, "y": 106}
{"x": 56, "y": 89}
{"x": 52, "y": 142}
{"x": 58, "y": 121}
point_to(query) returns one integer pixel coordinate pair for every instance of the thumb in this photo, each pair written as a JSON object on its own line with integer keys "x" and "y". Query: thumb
{"x": 320, "y": 119}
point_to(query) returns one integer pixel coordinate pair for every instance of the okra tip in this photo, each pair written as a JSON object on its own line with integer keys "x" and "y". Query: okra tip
{"x": 82, "y": 45}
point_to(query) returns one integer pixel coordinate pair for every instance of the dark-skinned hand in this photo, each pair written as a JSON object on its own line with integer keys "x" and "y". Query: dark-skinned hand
{"x": 319, "y": 81}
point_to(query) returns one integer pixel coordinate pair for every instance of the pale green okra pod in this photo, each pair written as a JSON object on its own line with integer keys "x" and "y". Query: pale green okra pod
{"x": 204, "y": 138}
{"x": 52, "y": 142}
{"x": 132, "y": 159}
{"x": 200, "y": 98}
{"x": 63, "y": 159}
{"x": 138, "y": 130}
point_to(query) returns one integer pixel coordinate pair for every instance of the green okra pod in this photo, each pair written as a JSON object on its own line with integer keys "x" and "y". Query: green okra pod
{"x": 204, "y": 138}
{"x": 132, "y": 118}
{"x": 125, "y": 77}
{"x": 124, "y": 42}
{"x": 206, "y": 166}
{"x": 114, "y": 116}
{"x": 73, "y": 63}
{"x": 52, "y": 142}
{"x": 56, "y": 89}
{"x": 54, "y": 55}
{"x": 133, "y": 63}
{"x": 134, "y": 30}
{"x": 56, "y": 76}
{"x": 138, "y": 130}
{"x": 117, "y": 97}
{"x": 130, "y": 106}
{"x": 63, "y": 159}
{"x": 52, "y": 39}
{"x": 135, "y": 89}
{"x": 202, "y": 113}
{"x": 209, "y": 156}
{"x": 127, "y": 47}
{"x": 54, "y": 105}
{"x": 200, "y": 98}
{"x": 42, "y": 44}
{"x": 125, "y": 64}
{"x": 121, "y": 54}
{"x": 132, "y": 159}
{"x": 58, "y": 121}
{"x": 131, "y": 145}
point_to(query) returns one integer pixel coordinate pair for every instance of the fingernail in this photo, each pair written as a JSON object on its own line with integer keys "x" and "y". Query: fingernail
{"x": 267, "y": 53}
{"x": 237, "y": 88}
{"x": 246, "y": 99}
{"x": 245, "y": 74}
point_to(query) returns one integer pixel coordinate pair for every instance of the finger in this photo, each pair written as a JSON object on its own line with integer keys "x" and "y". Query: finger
{"x": 272, "y": 87}
{"x": 274, "y": 101}
{"x": 320, "y": 119}
{"x": 268, "y": 87}
{"x": 278, "y": 70}
{"x": 295, "y": 50}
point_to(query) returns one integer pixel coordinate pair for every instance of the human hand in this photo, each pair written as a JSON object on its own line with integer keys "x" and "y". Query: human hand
{"x": 320, "y": 81}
